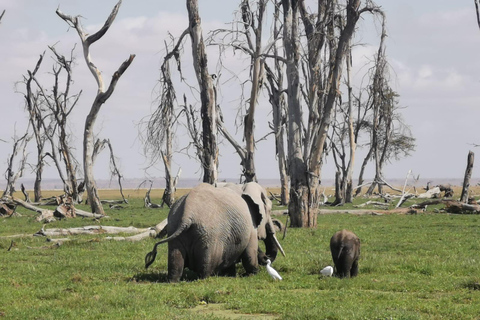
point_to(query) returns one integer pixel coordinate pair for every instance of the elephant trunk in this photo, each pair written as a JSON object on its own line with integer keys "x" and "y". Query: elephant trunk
{"x": 272, "y": 245}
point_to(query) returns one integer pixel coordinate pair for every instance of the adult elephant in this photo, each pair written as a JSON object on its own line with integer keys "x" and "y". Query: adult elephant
{"x": 211, "y": 229}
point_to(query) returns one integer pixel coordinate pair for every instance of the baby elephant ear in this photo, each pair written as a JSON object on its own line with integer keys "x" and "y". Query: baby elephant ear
{"x": 254, "y": 208}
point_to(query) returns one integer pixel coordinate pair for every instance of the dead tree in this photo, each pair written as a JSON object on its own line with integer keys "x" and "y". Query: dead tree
{"x": 247, "y": 39}
{"x": 160, "y": 128}
{"x": 49, "y": 112}
{"x": 207, "y": 95}
{"x": 12, "y": 173}
{"x": 468, "y": 175}
{"x": 389, "y": 136}
{"x": 98, "y": 147}
{"x": 276, "y": 89}
{"x": 1, "y": 15}
{"x": 344, "y": 136}
{"x": 37, "y": 117}
{"x": 476, "y": 10}
{"x": 101, "y": 97}
{"x": 328, "y": 34}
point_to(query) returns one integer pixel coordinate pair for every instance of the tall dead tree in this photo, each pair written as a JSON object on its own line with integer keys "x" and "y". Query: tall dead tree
{"x": 328, "y": 34}
{"x": 100, "y": 99}
{"x": 344, "y": 142}
{"x": 1, "y": 15}
{"x": 275, "y": 78}
{"x": 247, "y": 38}
{"x": 207, "y": 95}
{"x": 161, "y": 126}
{"x": 37, "y": 117}
{"x": 49, "y": 111}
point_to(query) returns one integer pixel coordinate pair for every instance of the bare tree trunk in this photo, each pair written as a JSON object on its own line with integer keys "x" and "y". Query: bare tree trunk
{"x": 100, "y": 99}
{"x": 348, "y": 185}
{"x": 36, "y": 119}
{"x": 257, "y": 63}
{"x": 11, "y": 175}
{"x": 277, "y": 100}
{"x": 362, "y": 171}
{"x": 305, "y": 170}
{"x": 207, "y": 95}
{"x": 299, "y": 193}
{"x": 468, "y": 175}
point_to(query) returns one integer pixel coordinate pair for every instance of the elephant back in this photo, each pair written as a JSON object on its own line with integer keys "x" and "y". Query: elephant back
{"x": 217, "y": 213}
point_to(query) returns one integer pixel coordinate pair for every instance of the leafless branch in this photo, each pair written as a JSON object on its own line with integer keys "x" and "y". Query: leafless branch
{"x": 477, "y": 11}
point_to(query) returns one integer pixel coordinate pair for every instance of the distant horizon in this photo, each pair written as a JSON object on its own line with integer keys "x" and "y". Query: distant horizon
{"x": 184, "y": 183}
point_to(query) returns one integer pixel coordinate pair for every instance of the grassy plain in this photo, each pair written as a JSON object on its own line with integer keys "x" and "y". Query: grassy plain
{"x": 424, "y": 266}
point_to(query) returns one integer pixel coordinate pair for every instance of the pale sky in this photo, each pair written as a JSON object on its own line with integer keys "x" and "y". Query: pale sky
{"x": 432, "y": 47}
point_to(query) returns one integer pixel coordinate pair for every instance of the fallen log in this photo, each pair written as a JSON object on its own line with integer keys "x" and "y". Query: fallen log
{"x": 432, "y": 193}
{"x": 460, "y": 207}
{"x": 7, "y": 209}
{"x": 451, "y": 206}
{"x": 88, "y": 230}
{"x": 374, "y": 203}
{"x": 159, "y": 231}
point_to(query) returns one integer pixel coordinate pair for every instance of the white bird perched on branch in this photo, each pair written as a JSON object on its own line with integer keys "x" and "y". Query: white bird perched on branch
{"x": 327, "y": 271}
{"x": 272, "y": 272}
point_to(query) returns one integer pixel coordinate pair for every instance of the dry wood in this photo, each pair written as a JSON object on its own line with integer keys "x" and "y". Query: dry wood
{"x": 7, "y": 209}
{"x": 207, "y": 95}
{"x": 100, "y": 99}
{"x": 432, "y": 193}
{"x": 468, "y": 175}
{"x": 88, "y": 230}
{"x": 375, "y": 203}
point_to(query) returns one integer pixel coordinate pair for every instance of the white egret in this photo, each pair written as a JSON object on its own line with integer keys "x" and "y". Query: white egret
{"x": 272, "y": 272}
{"x": 327, "y": 271}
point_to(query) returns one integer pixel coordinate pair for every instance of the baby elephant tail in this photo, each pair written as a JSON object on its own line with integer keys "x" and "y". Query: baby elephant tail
{"x": 150, "y": 257}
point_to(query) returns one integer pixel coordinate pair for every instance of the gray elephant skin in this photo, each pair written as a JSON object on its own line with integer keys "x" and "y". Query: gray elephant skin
{"x": 211, "y": 229}
{"x": 345, "y": 248}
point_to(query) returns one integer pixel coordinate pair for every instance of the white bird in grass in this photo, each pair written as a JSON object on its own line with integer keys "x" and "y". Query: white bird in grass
{"x": 272, "y": 272}
{"x": 327, "y": 271}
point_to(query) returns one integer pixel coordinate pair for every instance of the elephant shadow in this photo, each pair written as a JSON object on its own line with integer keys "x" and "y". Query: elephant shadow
{"x": 162, "y": 277}
{"x": 187, "y": 276}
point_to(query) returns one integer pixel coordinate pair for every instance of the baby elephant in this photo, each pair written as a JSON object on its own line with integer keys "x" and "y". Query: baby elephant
{"x": 345, "y": 248}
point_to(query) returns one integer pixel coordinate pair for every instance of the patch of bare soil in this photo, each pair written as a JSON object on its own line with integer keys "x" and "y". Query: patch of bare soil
{"x": 218, "y": 310}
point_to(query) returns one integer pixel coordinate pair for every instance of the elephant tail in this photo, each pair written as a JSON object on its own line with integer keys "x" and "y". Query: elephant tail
{"x": 340, "y": 252}
{"x": 150, "y": 257}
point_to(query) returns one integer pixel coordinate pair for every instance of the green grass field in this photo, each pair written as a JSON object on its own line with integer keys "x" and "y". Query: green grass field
{"x": 424, "y": 266}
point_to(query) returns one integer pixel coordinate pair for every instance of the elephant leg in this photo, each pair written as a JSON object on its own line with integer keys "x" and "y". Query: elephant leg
{"x": 229, "y": 271}
{"x": 354, "y": 269}
{"x": 176, "y": 263}
{"x": 343, "y": 267}
{"x": 250, "y": 255}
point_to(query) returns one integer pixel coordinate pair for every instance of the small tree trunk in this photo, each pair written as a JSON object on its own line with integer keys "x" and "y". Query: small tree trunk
{"x": 362, "y": 170}
{"x": 468, "y": 175}
{"x": 339, "y": 189}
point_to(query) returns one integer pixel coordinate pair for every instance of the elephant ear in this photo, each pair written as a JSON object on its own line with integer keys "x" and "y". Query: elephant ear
{"x": 259, "y": 204}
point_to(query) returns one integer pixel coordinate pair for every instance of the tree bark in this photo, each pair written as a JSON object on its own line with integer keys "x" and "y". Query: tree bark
{"x": 299, "y": 191}
{"x": 305, "y": 168}
{"x": 468, "y": 175}
{"x": 207, "y": 95}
